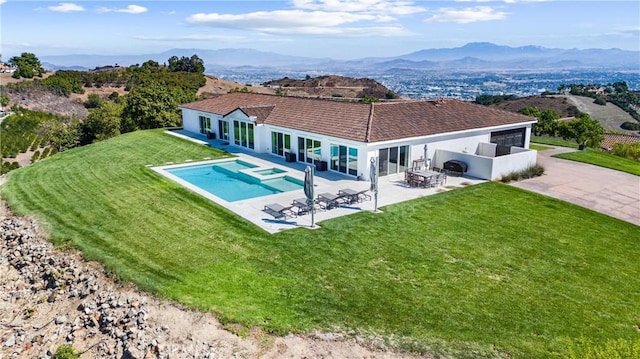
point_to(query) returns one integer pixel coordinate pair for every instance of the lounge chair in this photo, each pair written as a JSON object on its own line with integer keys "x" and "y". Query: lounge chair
{"x": 363, "y": 196}
{"x": 279, "y": 211}
{"x": 304, "y": 208}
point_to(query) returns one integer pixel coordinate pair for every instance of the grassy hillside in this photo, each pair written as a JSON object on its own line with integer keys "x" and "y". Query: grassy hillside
{"x": 476, "y": 272}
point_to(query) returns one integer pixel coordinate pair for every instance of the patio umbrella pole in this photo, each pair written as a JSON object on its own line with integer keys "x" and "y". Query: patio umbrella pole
{"x": 373, "y": 177}
{"x": 309, "y": 192}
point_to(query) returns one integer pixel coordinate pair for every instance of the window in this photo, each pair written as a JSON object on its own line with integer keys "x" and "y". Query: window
{"x": 223, "y": 130}
{"x": 205, "y": 124}
{"x": 509, "y": 138}
{"x": 309, "y": 150}
{"x": 280, "y": 143}
{"x": 392, "y": 160}
{"x": 344, "y": 159}
{"x": 243, "y": 134}
{"x": 236, "y": 132}
{"x": 506, "y": 139}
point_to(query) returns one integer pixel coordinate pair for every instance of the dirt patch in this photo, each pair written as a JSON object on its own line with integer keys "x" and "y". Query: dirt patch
{"x": 50, "y": 297}
{"x": 610, "y": 116}
{"x": 559, "y": 104}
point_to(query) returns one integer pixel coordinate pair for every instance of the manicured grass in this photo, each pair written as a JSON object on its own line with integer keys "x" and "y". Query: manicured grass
{"x": 590, "y": 155}
{"x": 603, "y": 159}
{"x": 539, "y": 147}
{"x": 553, "y": 141}
{"x": 474, "y": 272}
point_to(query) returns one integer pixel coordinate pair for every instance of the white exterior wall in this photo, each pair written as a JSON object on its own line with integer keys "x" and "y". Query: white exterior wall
{"x": 492, "y": 168}
{"x": 191, "y": 121}
{"x": 326, "y": 142}
{"x": 441, "y": 147}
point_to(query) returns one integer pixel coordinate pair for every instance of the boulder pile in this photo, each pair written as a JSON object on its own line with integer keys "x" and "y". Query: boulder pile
{"x": 48, "y": 298}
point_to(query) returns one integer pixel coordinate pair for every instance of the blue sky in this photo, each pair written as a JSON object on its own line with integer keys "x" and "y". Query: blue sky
{"x": 341, "y": 29}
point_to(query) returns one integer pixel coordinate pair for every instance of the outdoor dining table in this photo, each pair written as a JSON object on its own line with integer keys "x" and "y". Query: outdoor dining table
{"x": 421, "y": 177}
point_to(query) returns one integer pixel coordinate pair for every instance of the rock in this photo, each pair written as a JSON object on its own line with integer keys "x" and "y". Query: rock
{"x": 11, "y": 341}
{"x": 61, "y": 319}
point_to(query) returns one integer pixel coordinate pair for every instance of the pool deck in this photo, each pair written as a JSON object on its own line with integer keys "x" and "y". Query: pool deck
{"x": 391, "y": 189}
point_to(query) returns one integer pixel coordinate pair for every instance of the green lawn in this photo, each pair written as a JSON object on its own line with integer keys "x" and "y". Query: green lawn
{"x": 603, "y": 159}
{"x": 591, "y": 156}
{"x": 475, "y": 272}
{"x": 553, "y": 141}
{"x": 539, "y": 147}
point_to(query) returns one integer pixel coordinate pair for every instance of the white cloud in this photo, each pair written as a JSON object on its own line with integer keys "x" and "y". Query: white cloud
{"x": 2, "y": 1}
{"x": 467, "y": 15}
{"x": 192, "y": 37}
{"x": 131, "y": 9}
{"x": 395, "y": 7}
{"x": 66, "y": 7}
{"x": 319, "y": 17}
{"x": 285, "y": 19}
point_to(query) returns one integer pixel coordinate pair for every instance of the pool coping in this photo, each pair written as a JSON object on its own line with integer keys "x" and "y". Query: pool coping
{"x": 391, "y": 188}
{"x": 162, "y": 170}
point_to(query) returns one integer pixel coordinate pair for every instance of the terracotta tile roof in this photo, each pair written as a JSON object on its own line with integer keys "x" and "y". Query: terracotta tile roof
{"x": 610, "y": 139}
{"x": 394, "y": 120}
{"x": 359, "y": 121}
{"x": 261, "y": 112}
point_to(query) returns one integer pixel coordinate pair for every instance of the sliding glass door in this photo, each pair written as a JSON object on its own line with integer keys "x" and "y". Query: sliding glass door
{"x": 392, "y": 160}
{"x": 309, "y": 150}
{"x": 280, "y": 143}
{"x": 223, "y": 130}
{"x": 344, "y": 159}
{"x": 243, "y": 134}
{"x": 205, "y": 124}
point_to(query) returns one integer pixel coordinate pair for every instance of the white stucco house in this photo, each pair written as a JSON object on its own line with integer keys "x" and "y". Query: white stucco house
{"x": 343, "y": 136}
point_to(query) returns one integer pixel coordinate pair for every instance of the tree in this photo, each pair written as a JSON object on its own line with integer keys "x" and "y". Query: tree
{"x": 153, "y": 105}
{"x": 93, "y": 101}
{"x": 584, "y": 130}
{"x": 4, "y": 101}
{"x": 547, "y": 120}
{"x": 186, "y": 64}
{"x": 102, "y": 122}
{"x": 28, "y": 65}
{"x": 63, "y": 134}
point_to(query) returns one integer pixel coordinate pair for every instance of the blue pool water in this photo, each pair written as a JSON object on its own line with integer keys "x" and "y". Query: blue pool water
{"x": 224, "y": 180}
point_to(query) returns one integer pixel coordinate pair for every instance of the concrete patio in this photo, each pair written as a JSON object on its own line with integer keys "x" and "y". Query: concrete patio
{"x": 391, "y": 190}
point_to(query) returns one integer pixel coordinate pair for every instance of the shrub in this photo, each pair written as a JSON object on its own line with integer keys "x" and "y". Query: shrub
{"x": 6, "y": 167}
{"x": 35, "y": 157}
{"x": 529, "y": 172}
{"x": 66, "y": 351}
{"x": 600, "y": 101}
{"x": 627, "y": 150}
{"x": 631, "y": 126}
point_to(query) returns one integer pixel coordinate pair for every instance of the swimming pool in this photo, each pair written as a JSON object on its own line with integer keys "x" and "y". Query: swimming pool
{"x": 231, "y": 181}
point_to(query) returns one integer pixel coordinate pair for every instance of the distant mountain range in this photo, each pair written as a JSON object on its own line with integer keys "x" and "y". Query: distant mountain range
{"x": 472, "y": 56}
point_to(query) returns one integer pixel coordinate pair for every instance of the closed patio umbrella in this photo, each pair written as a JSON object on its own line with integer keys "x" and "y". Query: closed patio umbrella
{"x": 426, "y": 157}
{"x": 309, "y": 191}
{"x": 373, "y": 177}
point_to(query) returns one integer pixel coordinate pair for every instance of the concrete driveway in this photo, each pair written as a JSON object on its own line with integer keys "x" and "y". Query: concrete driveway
{"x": 613, "y": 193}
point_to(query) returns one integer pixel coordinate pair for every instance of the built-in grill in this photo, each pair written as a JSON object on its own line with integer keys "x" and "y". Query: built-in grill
{"x": 455, "y": 167}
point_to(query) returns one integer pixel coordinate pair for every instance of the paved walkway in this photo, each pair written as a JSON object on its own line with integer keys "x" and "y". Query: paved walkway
{"x": 611, "y": 192}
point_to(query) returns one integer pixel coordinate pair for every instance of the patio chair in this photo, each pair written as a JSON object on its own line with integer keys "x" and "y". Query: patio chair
{"x": 279, "y": 211}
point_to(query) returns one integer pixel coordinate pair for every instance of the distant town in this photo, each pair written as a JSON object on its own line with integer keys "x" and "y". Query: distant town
{"x": 466, "y": 85}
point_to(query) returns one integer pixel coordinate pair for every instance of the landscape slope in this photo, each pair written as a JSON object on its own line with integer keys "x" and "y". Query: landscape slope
{"x": 437, "y": 275}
